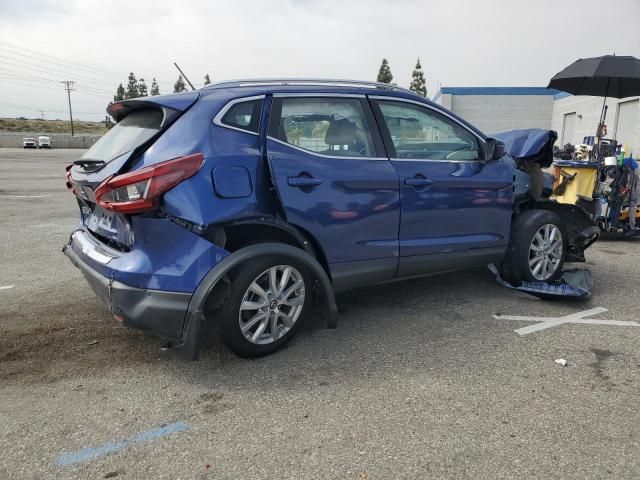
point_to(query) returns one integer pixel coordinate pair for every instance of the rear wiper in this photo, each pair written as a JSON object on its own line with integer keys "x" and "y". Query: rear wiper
{"x": 86, "y": 162}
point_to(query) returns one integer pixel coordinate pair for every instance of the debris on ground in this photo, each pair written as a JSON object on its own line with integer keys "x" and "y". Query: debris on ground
{"x": 561, "y": 361}
{"x": 574, "y": 283}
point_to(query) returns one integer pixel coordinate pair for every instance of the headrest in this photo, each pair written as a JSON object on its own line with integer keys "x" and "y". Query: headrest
{"x": 341, "y": 132}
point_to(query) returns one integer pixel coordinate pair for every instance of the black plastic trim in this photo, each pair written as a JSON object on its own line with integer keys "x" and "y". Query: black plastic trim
{"x": 350, "y": 275}
{"x": 419, "y": 265}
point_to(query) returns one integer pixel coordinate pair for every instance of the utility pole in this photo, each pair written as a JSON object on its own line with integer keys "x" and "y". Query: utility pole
{"x": 68, "y": 86}
{"x": 42, "y": 114}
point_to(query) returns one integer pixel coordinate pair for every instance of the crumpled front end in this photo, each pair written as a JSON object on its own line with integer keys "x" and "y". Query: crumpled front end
{"x": 532, "y": 150}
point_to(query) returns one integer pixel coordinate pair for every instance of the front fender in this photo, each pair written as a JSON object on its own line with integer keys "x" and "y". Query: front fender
{"x": 189, "y": 346}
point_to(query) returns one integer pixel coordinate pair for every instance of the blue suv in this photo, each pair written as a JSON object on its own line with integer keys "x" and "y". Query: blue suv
{"x": 244, "y": 203}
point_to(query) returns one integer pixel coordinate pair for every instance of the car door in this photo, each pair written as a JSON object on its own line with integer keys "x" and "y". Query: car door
{"x": 335, "y": 182}
{"x": 455, "y": 206}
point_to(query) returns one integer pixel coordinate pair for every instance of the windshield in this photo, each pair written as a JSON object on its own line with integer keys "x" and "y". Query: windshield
{"x": 130, "y": 132}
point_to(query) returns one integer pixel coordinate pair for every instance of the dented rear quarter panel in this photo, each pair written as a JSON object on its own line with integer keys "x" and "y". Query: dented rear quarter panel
{"x": 197, "y": 200}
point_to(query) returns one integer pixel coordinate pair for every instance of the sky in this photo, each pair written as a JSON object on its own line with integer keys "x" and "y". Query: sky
{"x": 96, "y": 43}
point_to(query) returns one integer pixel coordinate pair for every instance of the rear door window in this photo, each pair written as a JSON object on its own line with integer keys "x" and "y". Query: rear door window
{"x": 130, "y": 132}
{"x": 329, "y": 126}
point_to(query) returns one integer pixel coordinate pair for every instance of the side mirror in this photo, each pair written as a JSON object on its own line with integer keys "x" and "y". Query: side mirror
{"x": 493, "y": 149}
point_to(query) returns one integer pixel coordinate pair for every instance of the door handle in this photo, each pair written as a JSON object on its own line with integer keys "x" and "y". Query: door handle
{"x": 418, "y": 182}
{"x": 303, "y": 181}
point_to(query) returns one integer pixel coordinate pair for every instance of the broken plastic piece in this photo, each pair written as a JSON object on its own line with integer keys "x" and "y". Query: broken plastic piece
{"x": 575, "y": 283}
{"x": 561, "y": 361}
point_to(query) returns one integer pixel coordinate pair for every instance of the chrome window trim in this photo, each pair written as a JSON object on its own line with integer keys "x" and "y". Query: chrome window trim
{"x": 444, "y": 114}
{"x": 319, "y": 95}
{"x": 322, "y": 155}
{"x": 434, "y": 160}
{"x": 217, "y": 120}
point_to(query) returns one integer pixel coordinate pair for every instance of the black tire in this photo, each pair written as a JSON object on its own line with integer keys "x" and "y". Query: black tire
{"x": 515, "y": 267}
{"x": 242, "y": 278}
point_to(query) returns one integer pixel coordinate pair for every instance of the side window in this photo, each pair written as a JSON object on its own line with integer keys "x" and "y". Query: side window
{"x": 329, "y": 126}
{"x": 420, "y": 133}
{"x": 244, "y": 115}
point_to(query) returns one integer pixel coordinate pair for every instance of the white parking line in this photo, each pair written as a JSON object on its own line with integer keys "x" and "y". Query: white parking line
{"x": 7, "y": 287}
{"x": 548, "y": 322}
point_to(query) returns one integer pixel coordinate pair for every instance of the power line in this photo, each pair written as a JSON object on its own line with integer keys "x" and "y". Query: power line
{"x": 56, "y": 60}
{"x": 45, "y": 109}
{"x": 25, "y": 65}
{"x": 64, "y": 63}
{"x": 23, "y": 77}
{"x": 26, "y": 75}
{"x": 21, "y": 83}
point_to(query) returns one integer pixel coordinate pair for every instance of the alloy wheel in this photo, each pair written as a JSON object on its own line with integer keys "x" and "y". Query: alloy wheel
{"x": 272, "y": 304}
{"x": 545, "y": 252}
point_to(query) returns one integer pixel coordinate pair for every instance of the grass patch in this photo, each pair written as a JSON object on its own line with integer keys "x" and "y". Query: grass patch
{"x": 39, "y": 126}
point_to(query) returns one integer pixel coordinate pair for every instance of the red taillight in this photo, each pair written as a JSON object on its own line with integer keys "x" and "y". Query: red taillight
{"x": 140, "y": 191}
{"x": 70, "y": 185}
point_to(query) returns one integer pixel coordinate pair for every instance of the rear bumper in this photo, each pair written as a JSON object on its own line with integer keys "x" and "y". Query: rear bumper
{"x": 158, "y": 312}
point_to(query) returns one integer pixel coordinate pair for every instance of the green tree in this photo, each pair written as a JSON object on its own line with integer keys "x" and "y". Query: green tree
{"x": 155, "y": 89}
{"x": 132, "y": 87}
{"x": 384, "y": 74}
{"x": 119, "y": 94}
{"x": 418, "y": 83}
{"x": 207, "y": 79}
{"x": 179, "y": 86}
{"x": 142, "y": 88}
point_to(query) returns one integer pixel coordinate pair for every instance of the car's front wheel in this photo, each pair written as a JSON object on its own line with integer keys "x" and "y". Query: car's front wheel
{"x": 267, "y": 301}
{"x": 537, "y": 248}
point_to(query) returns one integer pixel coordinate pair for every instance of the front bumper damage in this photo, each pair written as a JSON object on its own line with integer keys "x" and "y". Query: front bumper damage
{"x": 581, "y": 229}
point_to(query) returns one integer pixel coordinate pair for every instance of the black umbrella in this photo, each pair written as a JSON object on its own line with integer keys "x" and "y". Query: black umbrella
{"x": 607, "y": 76}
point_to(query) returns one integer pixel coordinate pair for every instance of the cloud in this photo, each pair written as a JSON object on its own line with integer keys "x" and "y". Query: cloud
{"x": 25, "y": 10}
{"x": 459, "y": 42}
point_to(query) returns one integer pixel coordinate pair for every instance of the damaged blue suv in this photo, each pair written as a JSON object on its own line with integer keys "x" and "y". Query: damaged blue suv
{"x": 242, "y": 204}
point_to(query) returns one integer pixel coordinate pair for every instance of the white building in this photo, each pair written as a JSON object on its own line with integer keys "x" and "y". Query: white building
{"x": 494, "y": 109}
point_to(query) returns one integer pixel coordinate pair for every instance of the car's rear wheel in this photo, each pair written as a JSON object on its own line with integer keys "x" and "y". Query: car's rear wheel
{"x": 267, "y": 302}
{"x": 537, "y": 248}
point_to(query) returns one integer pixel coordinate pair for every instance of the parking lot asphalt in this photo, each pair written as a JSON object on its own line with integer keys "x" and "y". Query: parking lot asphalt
{"x": 419, "y": 380}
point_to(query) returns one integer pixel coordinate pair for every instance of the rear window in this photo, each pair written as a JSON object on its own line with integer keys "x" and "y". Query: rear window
{"x": 244, "y": 116}
{"x": 130, "y": 132}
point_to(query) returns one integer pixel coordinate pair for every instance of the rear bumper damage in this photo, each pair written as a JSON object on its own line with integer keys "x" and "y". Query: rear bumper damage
{"x": 158, "y": 312}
